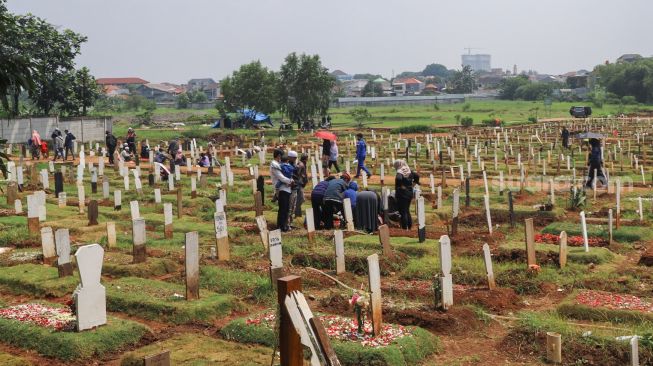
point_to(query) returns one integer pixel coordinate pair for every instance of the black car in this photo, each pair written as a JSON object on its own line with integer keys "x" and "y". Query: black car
{"x": 580, "y": 112}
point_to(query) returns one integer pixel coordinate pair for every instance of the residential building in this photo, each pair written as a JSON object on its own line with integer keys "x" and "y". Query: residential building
{"x": 629, "y": 57}
{"x": 478, "y": 62}
{"x": 122, "y": 83}
{"x": 114, "y": 91}
{"x": 354, "y": 88}
{"x": 207, "y": 85}
{"x": 158, "y": 92}
{"x": 342, "y": 76}
{"x": 407, "y": 86}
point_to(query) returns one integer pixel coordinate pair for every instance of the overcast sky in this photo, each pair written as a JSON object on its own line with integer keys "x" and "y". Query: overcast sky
{"x": 175, "y": 40}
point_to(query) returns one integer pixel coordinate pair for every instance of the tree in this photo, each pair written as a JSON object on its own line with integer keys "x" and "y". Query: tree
{"x": 372, "y": 89}
{"x": 630, "y": 78}
{"x": 509, "y": 86}
{"x": 252, "y": 86}
{"x": 16, "y": 68}
{"x": 463, "y": 81}
{"x": 182, "y": 101}
{"x": 79, "y": 90}
{"x": 305, "y": 87}
{"x": 436, "y": 70}
{"x": 198, "y": 96}
{"x": 360, "y": 116}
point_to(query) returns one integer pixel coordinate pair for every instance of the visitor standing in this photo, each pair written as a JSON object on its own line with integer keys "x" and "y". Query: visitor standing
{"x": 284, "y": 184}
{"x": 404, "y": 181}
{"x": 565, "y": 137}
{"x": 326, "y": 153}
{"x": 333, "y": 156}
{"x": 301, "y": 179}
{"x": 131, "y": 139}
{"x": 111, "y": 142}
{"x": 594, "y": 163}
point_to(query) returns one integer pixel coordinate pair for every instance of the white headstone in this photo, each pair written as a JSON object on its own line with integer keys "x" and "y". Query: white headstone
{"x": 274, "y": 243}
{"x": 157, "y": 195}
{"x": 135, "y": 211}
{"x": 339, "y": 242}
{"x": 62, "y": 240}
{"x": 90, "y": 295}
{"x": 47, "y": 243}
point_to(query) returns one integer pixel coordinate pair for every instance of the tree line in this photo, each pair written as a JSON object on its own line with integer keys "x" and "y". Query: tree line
{"x": 301, "y": 89}
{"x": 37, "y": 68}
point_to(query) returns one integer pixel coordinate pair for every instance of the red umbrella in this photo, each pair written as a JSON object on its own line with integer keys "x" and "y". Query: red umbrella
{"x": 326, "y": 135}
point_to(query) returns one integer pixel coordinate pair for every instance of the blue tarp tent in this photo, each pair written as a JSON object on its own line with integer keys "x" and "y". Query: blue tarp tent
{"x": 256, "y": 116}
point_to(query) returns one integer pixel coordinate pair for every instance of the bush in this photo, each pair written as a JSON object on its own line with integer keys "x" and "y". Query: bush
{"x": 466, "y": 121}
{"x": 493, "y": 122}
{"x": 628, "y": 100}
{"x": 412, "y": 129}
{"x": 532, "y": 119}
{"x": 466, "y": 107}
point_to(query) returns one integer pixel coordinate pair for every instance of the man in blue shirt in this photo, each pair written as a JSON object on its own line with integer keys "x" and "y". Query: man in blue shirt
{"x": 361, "y": 153}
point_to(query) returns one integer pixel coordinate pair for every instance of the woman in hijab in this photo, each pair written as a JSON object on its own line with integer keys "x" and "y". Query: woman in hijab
{"x": 36, "y": 144}
{"x": 404, "y": 181}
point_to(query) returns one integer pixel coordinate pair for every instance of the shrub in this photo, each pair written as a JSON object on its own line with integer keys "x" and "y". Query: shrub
{"x": 412, "y": 129}
{"x": 466, "y": 121}
{"x": 532, "y": 119}
{"x": 466, "y": 107}
{"x": 628, "y": 99}
{"x": 492, "y": 122}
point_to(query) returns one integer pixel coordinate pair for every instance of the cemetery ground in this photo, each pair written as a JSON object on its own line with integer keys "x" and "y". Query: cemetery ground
{"x": 560, "y": 264}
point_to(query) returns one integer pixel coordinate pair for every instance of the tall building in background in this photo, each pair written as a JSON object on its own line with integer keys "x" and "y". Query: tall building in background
{"x": 478, "y": 62}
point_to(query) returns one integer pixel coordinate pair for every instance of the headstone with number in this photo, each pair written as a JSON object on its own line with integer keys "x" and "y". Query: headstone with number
{"x": 222, "y": 236}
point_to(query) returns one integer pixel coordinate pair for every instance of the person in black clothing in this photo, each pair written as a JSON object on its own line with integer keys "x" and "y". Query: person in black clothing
{"x": 404, "y": 182}
{"x": 111, "y": 143}
{"x": 333, "y": 198}
{"x": 595, "y": 164}
{"x": 317, "y": 201}
{"x": 326, "y": 153}
{"x": 68, "y": 144}
{"x": 565, "y": 137}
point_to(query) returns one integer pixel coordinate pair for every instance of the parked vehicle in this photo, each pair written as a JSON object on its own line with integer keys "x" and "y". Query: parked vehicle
{"x": 580, "y": 112}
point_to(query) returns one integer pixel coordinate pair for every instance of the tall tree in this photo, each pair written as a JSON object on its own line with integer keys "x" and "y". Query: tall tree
{"x": 305, "y": 87}
{"x": 463, "y": 81}
{"x": 252, "y": 86}
{"x": 436, "y": 70}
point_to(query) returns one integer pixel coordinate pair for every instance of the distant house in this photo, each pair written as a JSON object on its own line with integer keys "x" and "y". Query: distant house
{"x": 207, "y": 85}
{"x": 385, "y": 84}
{"x": 407, "y": 86}
{"x": 430, "y": 89}
{"x": 629, "y": 57}
{"x": 114, "y": 91}
{"x": 490, "y": 81}
{"x": 158, "y": 92}
{"x": 122, "y": 83}
{"x": 354, "y": 88}
{"x": 341, "y": 75}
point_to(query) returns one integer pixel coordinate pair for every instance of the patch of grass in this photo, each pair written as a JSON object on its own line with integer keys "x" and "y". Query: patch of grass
{"x": 68, "y": 346}
{"x": 194, "y": 349}
{"x": 404, "y": 351}
{"x": 121, "y": 265}
{"x": 152, "y": 299}
{"x": 237, "y": 283}
{"x": 10, "y": 360}
{"x": 624, "y": 234}
{"x": 37, "y": 280}
{"x": 411, "y": 129}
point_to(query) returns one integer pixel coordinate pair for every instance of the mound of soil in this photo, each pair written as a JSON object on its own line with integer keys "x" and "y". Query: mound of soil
{"x": 499, "y": 300}
{"x": 647, "y": 257}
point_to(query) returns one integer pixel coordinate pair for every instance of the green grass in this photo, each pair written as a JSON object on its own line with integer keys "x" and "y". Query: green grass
{"x": 156, "y": 300}
{"x": 37, "y": 280}
{"x": 579, "y": 348}
{"x": 238, "y": 283}
{"x": 11, "y": 360}
{"x": 404, "y": 351}
{"x": 121, "y": 265}
{"x": 624, "y": 234}
{"x": 69, "y": 346}
{"x": 196, "y": 349}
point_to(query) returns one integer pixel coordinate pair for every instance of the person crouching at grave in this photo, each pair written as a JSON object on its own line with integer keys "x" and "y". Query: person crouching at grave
{"x": 180, "y": 159}
{"x": 333, "y": 197}
{"x": 594, "y": 164}
{"x": 58, "y": 147}
{"x": 126, "y": 155}
{"x": 404, "y": 181}
{"x": 317, "y": 201}
{"x": 111, "y": 142}
{"x": 145, "y": 151}
{"x": 301, "y": 179}
{"x": 284, "y": 185}
{"x": 351, "y": 192}
{"x": 68, "y": 144}
{"x": 204, "y": 160}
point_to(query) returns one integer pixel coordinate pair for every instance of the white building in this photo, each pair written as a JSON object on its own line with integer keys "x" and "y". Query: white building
{"x": 478, "y": 62}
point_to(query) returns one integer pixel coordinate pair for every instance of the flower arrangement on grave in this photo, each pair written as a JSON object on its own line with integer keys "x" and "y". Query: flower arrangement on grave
{"x": 41, "y": 315}
{"x": 359, "y": 303}
{"x": 574, "y": 241}
{"x": 613, "y": 301}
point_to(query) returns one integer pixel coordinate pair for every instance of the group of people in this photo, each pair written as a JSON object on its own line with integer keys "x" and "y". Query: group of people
{"x": 63, "y": 145}
{"x": 289, "y": 178}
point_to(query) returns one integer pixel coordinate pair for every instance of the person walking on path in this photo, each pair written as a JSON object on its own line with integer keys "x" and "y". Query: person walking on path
{"x": 111, "y": 142}
{"x": 565, "y": 137}
{"x": 404, "y": 181}
{"x": 284, "y": 184}
{"x": 58, "y": 147}
{"x": 361, "y": 153}
{"x": 595, "y": 171}
{"x": 333, "y": 157}
{"x": 68, "y": 144}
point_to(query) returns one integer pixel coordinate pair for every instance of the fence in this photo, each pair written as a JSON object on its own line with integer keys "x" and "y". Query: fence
{"x": 85, "y": 129}
{"x": 410, "y": 100}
